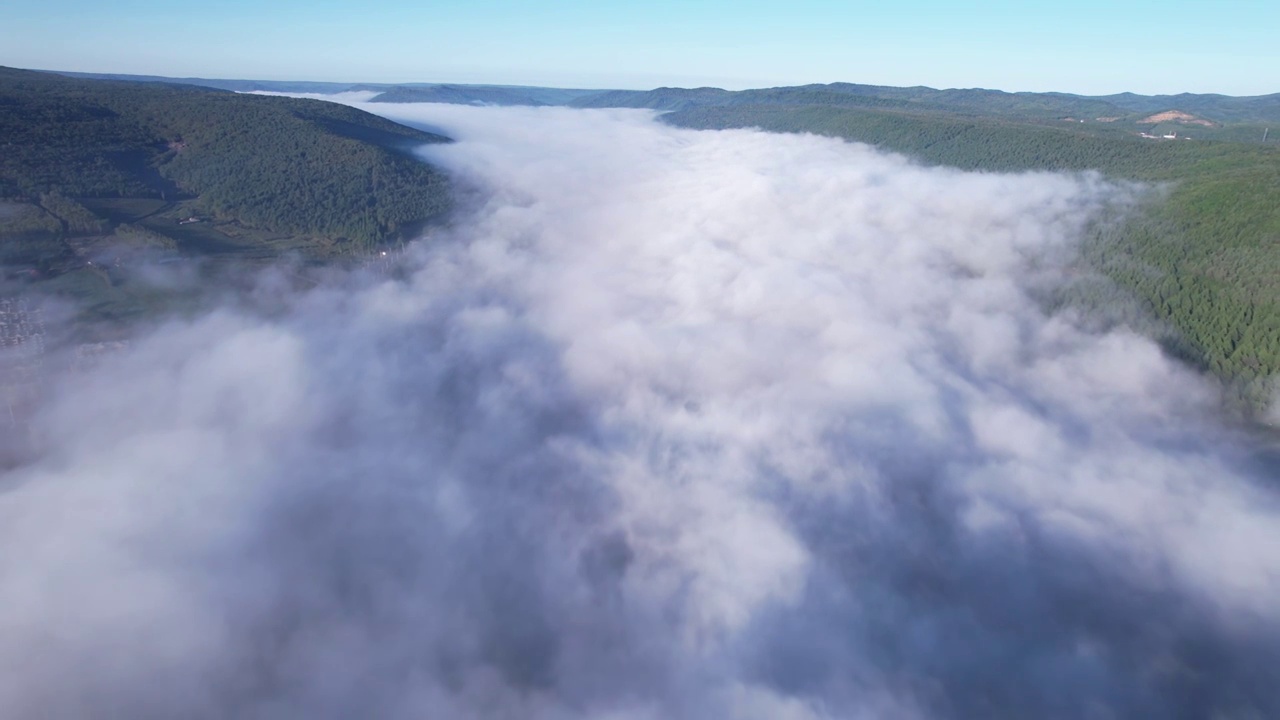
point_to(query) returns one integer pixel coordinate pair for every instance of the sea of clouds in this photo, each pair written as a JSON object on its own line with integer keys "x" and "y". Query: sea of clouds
{"x": 666, "y": 424}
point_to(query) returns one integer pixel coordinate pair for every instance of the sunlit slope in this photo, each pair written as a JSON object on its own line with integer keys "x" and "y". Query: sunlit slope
{"x": 1205, "y": 258}
{"x": 97, "y": 158}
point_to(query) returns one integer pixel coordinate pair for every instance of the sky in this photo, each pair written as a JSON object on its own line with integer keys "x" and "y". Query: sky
{"x": 1087, "y": 47}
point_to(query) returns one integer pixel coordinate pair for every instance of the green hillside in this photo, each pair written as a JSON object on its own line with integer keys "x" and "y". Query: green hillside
{"x": 97, "y": 176}
{"x": 84, "y": 157}
{"x": 1203, "y": 257}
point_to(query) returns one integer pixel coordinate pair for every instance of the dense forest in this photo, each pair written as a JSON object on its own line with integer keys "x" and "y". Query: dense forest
{"x": 1203, "y": 255}
{"x": 81, "y": 157}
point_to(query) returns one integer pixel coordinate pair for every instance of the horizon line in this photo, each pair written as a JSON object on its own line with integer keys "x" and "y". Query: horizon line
{"x": 624, "y": 89}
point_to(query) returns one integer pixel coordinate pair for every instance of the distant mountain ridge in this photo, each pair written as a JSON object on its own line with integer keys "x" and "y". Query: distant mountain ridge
{"x": 1224, "y": 108}
{"x": 452, "y": 93}
{"x": 1022, "y": 105}
{"x": 1039, "y": 105}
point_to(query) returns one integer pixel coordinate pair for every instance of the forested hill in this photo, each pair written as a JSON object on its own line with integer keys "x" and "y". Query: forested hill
{"x": 199, "y": 170}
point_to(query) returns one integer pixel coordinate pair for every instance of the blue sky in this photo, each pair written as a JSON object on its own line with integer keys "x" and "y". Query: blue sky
{"x": 1085, "y": 46}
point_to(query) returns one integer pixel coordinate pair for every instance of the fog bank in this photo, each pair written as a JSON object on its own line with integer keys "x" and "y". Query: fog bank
{"x": 667, "y": 424}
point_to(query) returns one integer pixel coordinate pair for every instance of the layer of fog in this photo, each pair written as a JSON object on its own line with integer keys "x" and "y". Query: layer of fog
{"x": 358, "y": 98}
{"x": 667, "y": 424}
